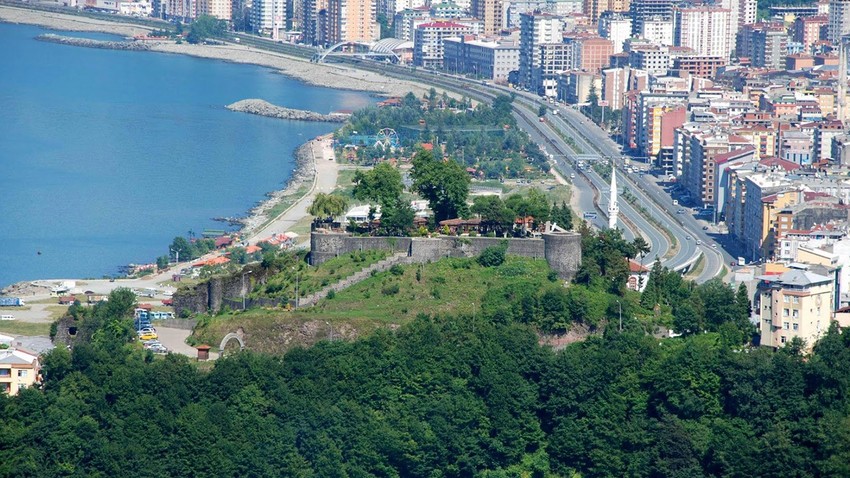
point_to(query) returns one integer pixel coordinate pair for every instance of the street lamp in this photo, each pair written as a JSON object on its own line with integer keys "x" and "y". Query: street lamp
{"x": 176, "y": 255}
{"x": 243, "y": 288}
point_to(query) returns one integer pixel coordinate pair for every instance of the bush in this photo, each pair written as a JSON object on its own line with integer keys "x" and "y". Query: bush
{"x": 391, "y": 289}
{"x": 331, "y": 294}
{"x": 492, "y": 256}
{"x": 397, "y": 270}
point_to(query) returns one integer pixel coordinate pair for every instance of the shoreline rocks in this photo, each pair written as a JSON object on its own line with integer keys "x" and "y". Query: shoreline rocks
{"x": 89, "y": 43}
{"x": 264, "y": 108}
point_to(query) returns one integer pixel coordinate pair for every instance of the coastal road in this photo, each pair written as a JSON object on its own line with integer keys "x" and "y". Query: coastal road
{"x": 324, "y": 181}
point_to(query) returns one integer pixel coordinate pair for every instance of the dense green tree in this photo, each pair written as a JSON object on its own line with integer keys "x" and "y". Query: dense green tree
{"x": 381, "y": 184}
{"x": 204, "y": 27}
{"x": 444, "y": 184}
{"x": 495, "y": 215}
{"x": 328, "y": 206}
{"x": 396, "y": 217}
{"x": 562, "y": 216}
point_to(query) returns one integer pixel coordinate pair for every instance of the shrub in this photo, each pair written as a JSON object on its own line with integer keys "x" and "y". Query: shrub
{"x": 331, "y": 294}
{"x": 396, "y": 270}
{"x": 435, "y": 293}
{"x": 391, "y": 289}
{"x": 492, "y": 256}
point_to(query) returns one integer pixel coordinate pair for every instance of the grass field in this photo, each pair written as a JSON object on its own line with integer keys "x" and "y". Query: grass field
{"x": 24, "y": 328}
{"x": 388, "y": 299}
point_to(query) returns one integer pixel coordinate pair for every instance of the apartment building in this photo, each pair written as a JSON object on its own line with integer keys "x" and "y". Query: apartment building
{"x": 594, "y": 9}
{"x": 698, "y": 65}
{"x": 703, "y": 29}
{"x": 614, "y": 86}
{"x": 428, "y": 47}
{"x": 765, "y": 44}
{"x": 493, "y": 60}
{"x": 643, "y": 10}
{"x": 617, "y": 28}
{"x": 807, "y": 30}
{"x": 795, "y": 304}
{"x": 221, "y": 9}
{"x": 352, "y": 21}
{"x": 656, "y": 30}
{"x": 839, "y": 20}
{"x": 19, "y": 369}
{"x": 490, "y": 12}
{"x": 542, "y": 50}
{"x": 765, "y": 195}
{"x": 655, "y": 60}
{"x": 590, "y": 53}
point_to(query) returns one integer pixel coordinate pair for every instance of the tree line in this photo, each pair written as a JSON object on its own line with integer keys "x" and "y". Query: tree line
{"x": 445, "y": 396}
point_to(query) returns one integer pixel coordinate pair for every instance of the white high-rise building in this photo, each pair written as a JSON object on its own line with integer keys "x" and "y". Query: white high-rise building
{"x": 266, "y": 15}
{"x": 703, "y": 29}
{"x": 839, "y": 19}
{"x": 615, "y": 27}
{"x": 613, "y": 207}
{"x": 657, "y": 31}
{"x": 741, "y": 12}
{"x": 536, "y": 29}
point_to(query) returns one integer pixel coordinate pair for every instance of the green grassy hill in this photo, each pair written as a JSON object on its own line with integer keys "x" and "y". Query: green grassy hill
{"x": 387, "y": 299}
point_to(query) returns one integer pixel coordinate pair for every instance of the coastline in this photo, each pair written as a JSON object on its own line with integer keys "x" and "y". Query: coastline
{"x": 318, "y": 74}
{"x": 256, "y": 224}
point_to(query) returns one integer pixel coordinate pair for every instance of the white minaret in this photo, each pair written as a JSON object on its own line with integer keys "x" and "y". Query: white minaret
{"x": 613, "y": 209}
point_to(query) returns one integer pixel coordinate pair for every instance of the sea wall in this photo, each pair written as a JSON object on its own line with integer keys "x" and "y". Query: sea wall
{"x": 264, "y": 108}
{"x": 88, "y": 43}
{"x": 561, "y": 250}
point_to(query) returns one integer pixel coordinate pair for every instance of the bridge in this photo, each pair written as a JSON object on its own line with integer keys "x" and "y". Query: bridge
{"x": 385, "y": 48}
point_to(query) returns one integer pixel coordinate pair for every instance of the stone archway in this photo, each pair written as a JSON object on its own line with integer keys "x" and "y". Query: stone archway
{"x": 227, "y": 338}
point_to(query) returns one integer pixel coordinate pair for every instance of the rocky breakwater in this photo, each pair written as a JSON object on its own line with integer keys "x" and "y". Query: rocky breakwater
{"x": 264, "y": 108}
{"x": 86, "y": 42}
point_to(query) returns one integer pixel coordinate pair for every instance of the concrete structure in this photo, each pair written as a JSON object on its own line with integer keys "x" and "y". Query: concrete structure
{"x": 765, "y": 44}
{"x": 352, "y": 21}
{"x": 839, "y": 20}
{"x": 267, "y": 16}
{"x": 615, "y": 27}
{"x": 19, "y": 369}
{"x": 221, "y": 9}
{"x": 656, "y": 30}
{"x": 314, "y": 14}
{"x": 594, "y": 9}
{"x": 655, "y": 60}
{"x": 795, "y": 304}
{"x": 702, "y": 29}
{"x": 490, "y": 12}
{"x": 643, "y": 10}
{"x": 536, "y": 61}
{"x": 428, "y": 48}
{"x": 807, "y": 30}
{"x": 486, "y": 59}
{"x": 700, "y": 66}
{"x": 614, "y": 86}
{"x": 841, "y": 150}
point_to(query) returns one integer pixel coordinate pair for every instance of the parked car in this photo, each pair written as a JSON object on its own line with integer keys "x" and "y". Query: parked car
{"x": 704, "y": 228}
{"x": 148, "y": 336}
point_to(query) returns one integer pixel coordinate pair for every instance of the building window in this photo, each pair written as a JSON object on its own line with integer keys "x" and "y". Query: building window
{"x": 782, "y": 339}
{"x": 784, "y": 325}
{"x": 796, "y": 326}
{"x": 785, "y": 299}
{"x": 784, "y": 312}
{"x": 22, "y": 373}
{"x": 795, "y": 313}
{"x": 795, "y": 300}
{"x": 5, "y": 373}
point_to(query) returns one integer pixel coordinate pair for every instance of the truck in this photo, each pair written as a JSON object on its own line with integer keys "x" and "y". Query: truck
{"x": 11, "y": 302}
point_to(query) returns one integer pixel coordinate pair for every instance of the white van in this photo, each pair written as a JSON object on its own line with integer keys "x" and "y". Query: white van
{"x": 7, "y": 317}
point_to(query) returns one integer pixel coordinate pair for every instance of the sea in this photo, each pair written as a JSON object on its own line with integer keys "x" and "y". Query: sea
{"x": 106, "y": 155}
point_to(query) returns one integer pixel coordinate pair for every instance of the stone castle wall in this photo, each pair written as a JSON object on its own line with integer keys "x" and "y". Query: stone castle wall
{"x": 561, "y": 250}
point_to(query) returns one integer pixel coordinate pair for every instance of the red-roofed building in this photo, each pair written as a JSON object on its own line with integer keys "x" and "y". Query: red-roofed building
{"x": 778, "y": 163}
{"x": 215, "y": 261}
{"x": 428, "y": 48}
{"x": 252, "y": 249}
{"x": 223, "y": 241}
{"x": 638, "y": 276}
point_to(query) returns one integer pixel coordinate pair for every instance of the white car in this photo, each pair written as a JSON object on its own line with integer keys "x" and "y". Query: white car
{"x": 7, "y": 317}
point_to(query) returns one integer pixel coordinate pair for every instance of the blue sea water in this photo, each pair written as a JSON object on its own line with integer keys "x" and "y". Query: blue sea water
{"x": 106, "y": 156}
